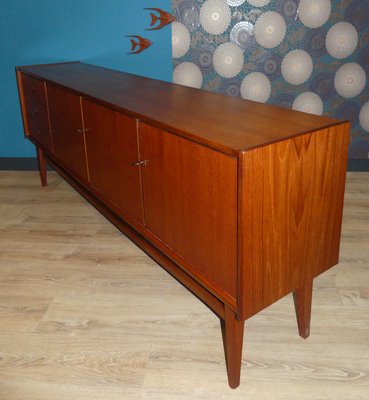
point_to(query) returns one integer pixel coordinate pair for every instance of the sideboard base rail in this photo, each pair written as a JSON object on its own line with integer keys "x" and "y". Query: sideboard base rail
{"x": 206, "y": 297}
{"x": 231, "y": 327}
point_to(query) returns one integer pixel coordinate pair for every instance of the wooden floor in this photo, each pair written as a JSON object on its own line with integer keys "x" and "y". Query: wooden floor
{"x": 85, "y": 314}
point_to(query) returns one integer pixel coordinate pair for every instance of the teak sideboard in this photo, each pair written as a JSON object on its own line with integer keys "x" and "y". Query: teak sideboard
{"x": 240, "y": 201}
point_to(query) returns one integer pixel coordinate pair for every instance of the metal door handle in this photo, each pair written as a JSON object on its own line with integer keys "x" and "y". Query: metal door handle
{"x": 83, "y": 130}
{"x": 138, "y": 163}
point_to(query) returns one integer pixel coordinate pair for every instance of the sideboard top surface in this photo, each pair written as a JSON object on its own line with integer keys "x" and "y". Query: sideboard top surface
{"x": 225, "y": 123}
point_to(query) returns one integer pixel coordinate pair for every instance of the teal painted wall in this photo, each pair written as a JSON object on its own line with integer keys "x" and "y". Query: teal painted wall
{"x": 45, "y": 31}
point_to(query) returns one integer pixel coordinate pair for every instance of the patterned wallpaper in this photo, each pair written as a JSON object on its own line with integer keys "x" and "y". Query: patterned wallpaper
{"x": 309, "y": 55}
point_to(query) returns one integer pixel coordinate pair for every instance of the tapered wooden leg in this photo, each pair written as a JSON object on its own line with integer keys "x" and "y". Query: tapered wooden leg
{"x": 42, "y": 166}
{"x": 232, "y": 331}
{"x": 302, "y": 298}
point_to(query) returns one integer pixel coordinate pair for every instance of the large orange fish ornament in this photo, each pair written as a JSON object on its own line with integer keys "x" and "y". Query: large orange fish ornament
{"x": 164, "y": 18}
{"x": 139, "y": 41}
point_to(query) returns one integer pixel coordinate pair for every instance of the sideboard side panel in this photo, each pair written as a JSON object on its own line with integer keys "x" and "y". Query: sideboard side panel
{"x": 22, "y": 100}
{"x": 291, "y": 214}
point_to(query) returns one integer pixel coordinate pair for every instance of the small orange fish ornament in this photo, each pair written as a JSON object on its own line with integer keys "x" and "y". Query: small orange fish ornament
{"x": 164, "y": 18}
{"x": 141, "y": 42}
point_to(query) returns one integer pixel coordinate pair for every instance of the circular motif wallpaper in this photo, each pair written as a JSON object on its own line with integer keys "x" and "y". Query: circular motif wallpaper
{"x": 308, "y": 55}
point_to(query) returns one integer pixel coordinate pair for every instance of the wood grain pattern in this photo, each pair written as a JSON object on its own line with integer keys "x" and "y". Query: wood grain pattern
{"x": 39, "y": 127}
{"x": 190, "y": 200}
{"x": 232, "y": 333}
{"x": 41, "y": 166}
{"x": 33, "y": 99}
{"x": 241, "y": 213}
{"x": 112, "y": 151}
{"x": 67, "y": 130}
{"x": 22, "y": 101}
{"x": 153, "y": 250}
{"x": 85, "y": 314}
{"x": 169, "y": 106}
{"x": 291, "y": 214}
{"x": 303, "y": 298}
{"x": 34, "y": 90}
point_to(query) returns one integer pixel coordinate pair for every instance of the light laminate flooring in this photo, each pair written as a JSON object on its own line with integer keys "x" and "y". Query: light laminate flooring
{"x": 85, "y": 314}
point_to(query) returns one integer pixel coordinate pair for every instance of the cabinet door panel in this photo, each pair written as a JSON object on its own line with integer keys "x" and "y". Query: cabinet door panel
{"x": 190, "y": 202}
{"x": 66, "y": 126}
{"x": 112, "y": 149}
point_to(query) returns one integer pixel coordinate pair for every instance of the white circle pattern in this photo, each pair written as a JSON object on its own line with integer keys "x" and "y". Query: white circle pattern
{"x": 308, "y": 102}
{"x": 256, "y": 86}
{"x": 349, "y": 80}
{"x": 215, "y": 16}
{"x": 341, "y": 40}
{"x": 314, "y": 13}
{"x": 180, "y": 40}
{"x": 297, "y": 67}
{"x": 270, "y": 29}
{"x": 235, "y": 3}
{"x": 188, "y": 74}
{"x": 228, "y": 60}
{"x": 364, "y": 117}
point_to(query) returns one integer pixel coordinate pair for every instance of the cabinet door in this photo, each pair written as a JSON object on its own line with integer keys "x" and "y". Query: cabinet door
{"x": 66, "y": 127}
{"x": 190, "y": 203}
{"x": 36, "y": 111}
{"x": 112, "y": 151}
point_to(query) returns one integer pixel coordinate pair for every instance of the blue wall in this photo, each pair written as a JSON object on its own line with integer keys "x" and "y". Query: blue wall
{"x": 43, "y": 31}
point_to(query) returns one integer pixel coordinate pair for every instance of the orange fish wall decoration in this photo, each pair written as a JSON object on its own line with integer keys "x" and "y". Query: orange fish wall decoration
{"x": 164, "y": 18}
{"x": 140, "y": 43}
